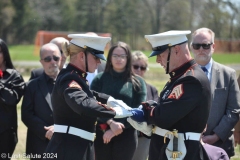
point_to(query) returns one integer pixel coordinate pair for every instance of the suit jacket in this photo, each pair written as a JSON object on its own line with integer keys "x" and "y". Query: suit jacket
{"x": 224, "y": 112}
{"x": 37, "y": 113}
{"x": 36, "y": 73}
{"x": 152, "y": 93}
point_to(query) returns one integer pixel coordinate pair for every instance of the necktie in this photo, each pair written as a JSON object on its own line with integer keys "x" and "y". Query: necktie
{"x": 204, "y": 70}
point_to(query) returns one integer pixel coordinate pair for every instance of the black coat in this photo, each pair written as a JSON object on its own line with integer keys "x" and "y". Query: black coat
{"x": 75, "y": 105}
{"x": 11, "y": 90}
{"x": 183, "y": 105}
{"x": 37, "y": 113}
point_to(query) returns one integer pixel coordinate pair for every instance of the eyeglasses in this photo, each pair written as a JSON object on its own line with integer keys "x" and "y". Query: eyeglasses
{"x": 49, "y": 58}
{"x": 123, "y": 56}
{"x": 197, "y": 46}
{"x": 141, "y": 67}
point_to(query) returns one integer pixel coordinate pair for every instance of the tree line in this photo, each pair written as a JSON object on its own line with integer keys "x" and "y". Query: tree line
{"x": 126, "y": 20}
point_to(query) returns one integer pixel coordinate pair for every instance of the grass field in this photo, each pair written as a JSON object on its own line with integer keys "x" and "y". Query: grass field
{"x": 154, "y": 76}
{"x": 28, "y": 53}
{"x": 23, "y": 53}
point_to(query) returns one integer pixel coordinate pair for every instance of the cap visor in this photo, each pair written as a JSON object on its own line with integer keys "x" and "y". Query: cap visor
{"x": 154, "y": 53}
{"x": 101, "y": 56}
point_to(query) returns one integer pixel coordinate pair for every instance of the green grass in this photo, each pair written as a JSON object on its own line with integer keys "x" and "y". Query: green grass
{"x": 23, "y": 53}
{"x": 227, "y": 58}
{"x": 29, "y": 53}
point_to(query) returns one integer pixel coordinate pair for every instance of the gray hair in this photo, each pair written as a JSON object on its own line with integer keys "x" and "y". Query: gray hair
{"x": 204, "y": 30}
{"x": 47, "y": 46}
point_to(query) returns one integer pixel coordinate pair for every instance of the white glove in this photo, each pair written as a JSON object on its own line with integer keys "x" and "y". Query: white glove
{"x": 112, "y": 103}
{"x": 140, "y": 107}
{"x": 141, "y": 126}
{"x": 122, "y": 104}
{"x": 122, "y": 112}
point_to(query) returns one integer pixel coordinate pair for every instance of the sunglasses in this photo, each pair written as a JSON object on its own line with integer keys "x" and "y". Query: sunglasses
{"x": 197, "y": 46}
{"x": 49, "y": 58}
{"x": 141, "y": 67}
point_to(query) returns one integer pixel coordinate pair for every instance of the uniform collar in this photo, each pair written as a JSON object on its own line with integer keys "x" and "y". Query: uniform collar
{"x": 182, "y": 69}
{"x": 77, "y": 70}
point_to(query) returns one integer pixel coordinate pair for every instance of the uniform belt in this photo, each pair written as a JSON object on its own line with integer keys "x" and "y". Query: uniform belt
{"x": 74, "y": 131}
{"x": 188, "y": 135}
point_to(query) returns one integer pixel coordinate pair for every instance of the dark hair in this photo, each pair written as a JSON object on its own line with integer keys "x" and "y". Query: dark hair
{"x": 129, "y": 75}
{"x": 6, "y": 55}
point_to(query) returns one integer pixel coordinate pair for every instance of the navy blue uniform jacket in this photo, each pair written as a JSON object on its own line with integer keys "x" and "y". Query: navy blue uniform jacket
{"x": 183, "y": 105}
{"x": 75, "y": 105}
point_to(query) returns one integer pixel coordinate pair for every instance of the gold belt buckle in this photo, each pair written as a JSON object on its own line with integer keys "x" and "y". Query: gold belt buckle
{"x": 154, "y": 129}
{"x": 175, "y": 154}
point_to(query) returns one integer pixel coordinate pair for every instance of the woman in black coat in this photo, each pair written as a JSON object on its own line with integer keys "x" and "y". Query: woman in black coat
{"x": 11, "y": 90}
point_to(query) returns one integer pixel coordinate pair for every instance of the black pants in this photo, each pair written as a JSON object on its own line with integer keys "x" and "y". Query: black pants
{"x": 8, "y": 141}
{"x": 121, "y": 147}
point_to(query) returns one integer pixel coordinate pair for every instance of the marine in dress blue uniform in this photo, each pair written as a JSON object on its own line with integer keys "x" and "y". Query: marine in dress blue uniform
{"x": 184, "y": 102}
{"x": 75, "y": 106}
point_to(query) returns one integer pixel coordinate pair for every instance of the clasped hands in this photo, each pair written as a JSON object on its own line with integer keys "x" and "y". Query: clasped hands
{"x": 137, "y": 119}
{"x": 122, "y": 110}
{"x": 116, "y": 128}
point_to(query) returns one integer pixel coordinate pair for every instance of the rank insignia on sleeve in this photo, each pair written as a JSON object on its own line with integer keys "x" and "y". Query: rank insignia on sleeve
{"x": 74, "y": 84}
{"x": 177, "y": 92}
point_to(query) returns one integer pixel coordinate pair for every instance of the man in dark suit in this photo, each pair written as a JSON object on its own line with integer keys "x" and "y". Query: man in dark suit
{"x": 58, "y": 41}
{"x": 37, "y": 112}
{"x": 224, "y": 111}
